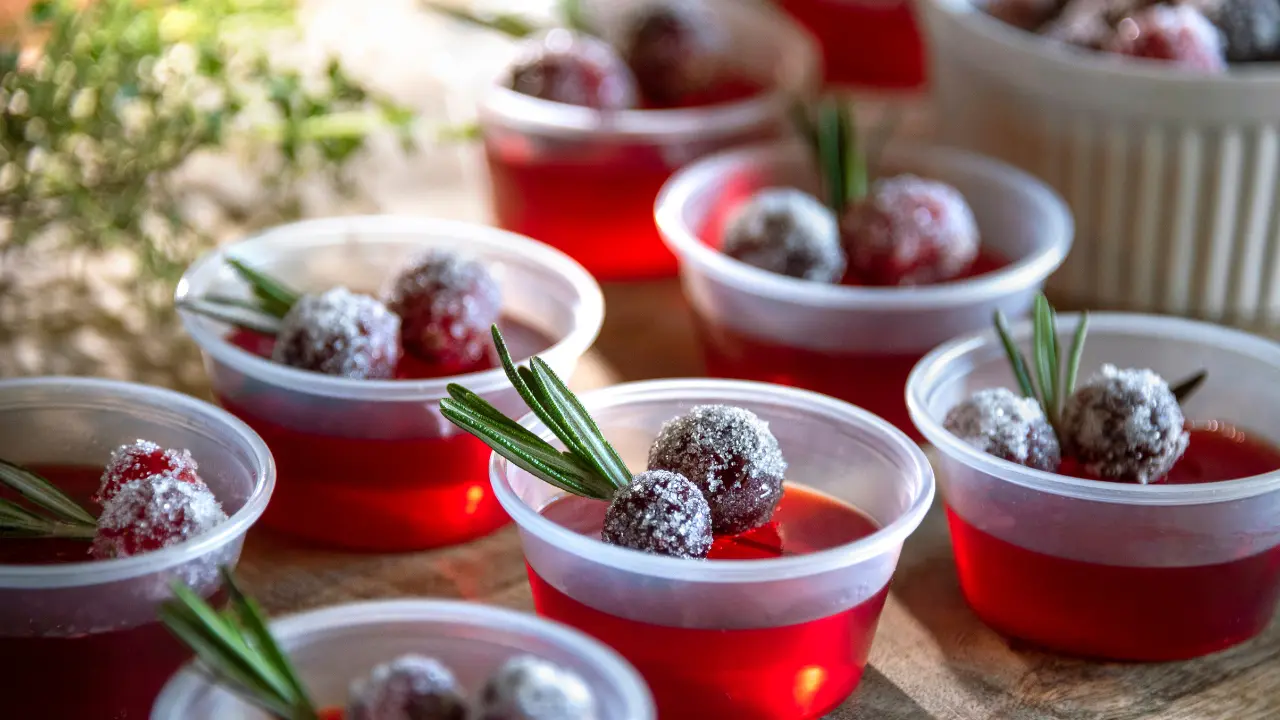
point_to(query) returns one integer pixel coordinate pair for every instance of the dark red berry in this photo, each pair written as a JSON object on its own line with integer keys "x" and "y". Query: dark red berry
{"x": 1172, "y": 33}
{"x": 142, "y": 459}
{"x": 731, "y": 456}
{"x": 1250, "y": 28}
{"x": 567, "y": 67}
{"x": 1025, "y": 14}
{"x": 674, "y": 50}
{"x": 786, "y": 231}
{"x": 1010, "y": 427}
{"x": 154, "y": 513}
{"x": 411, "y": 687}
{"x": 661, "y": 513}
{"x": 1124, "y": 425}
{"x": 909, "y": 231}
{"x": 530, "y": 688}
{"x": 446, "y": 305}
{"x": 340, "y": 333}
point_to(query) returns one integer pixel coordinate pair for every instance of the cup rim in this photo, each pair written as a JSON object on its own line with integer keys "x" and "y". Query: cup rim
{"x": 1017, "y": 276}
{"x": 727, "y": 571}
{"x": 1255, "y": 76}
{"x": 304, "y": 233}
{"x": 504, "y": 106}
{"x": 105, "y": 394}
{"x": 931, "y": 367}
{"x": 635, "y": 694}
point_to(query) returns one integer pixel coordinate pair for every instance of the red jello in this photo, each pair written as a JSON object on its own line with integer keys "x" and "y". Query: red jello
{"x": 1121, "y": 611}
{"x": 875, "y": 381}
{"x": 112, "y": 674}
{"x": 870, "y": 43}
{"x": 394, "y": 485}
{"x": 769, "y": 673}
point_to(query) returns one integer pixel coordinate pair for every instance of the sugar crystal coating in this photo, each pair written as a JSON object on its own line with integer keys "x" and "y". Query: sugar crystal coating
{"x": 530, "y": 688}
{"x": 568, "y": 67}
{"x": 411, "y": 687}
{"x": 446, "y": 303}
{"x": 1124, "y": 425}
{"x": 910, "y": 231}
{"x": 1000, "y": 423}
{"x": 154, "y": 513}
{"x": 674, "y": 49}
{"x": 731, "y": 456}
{"x": 142, "y": 459}
{"x": 340, "y": 333}
{"x": 1177, "y": 34}
{"x": 786, "y": 231}
{"x": 662, "y": 513}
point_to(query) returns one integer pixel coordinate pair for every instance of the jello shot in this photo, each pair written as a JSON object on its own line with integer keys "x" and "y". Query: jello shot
{"x": 335, "y": 339}
{"x": 1131, "y": 514}
{"x": 742, "y": 554}
{"x": 841, "y": 295}
{"x": 109, "y": 492}
{"x": 431, "y": 659}
{"x": 585, "y": 126}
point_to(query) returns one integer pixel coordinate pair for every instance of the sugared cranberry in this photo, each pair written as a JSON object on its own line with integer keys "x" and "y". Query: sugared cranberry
{"x": 1250, "y": 28}
{"x": 674, "y": 50}
{"x": 1025, "y": 14}
{"x": 142, "y": 459}
{"x": 910, "y": 231}
{"x": 340, "y": 333}
{"x": 446, "y": 305}
{"x": 567, "y": 67}
{"x": 1124, "y": 425}
{"x": 731, "y": 456}
{"x": 154, "y": 513}
{"x": 788, "y": 232}
{"x": 1177, "y": 34}
{"x": 662, "y": 513}
{"x": 1090, "y": 23}
{"x": 1010, "y": 427}
{"x": 530, "y": 688}
{"x": 411, "y": 687}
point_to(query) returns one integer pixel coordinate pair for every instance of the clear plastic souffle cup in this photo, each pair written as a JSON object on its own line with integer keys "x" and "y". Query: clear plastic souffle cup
{"x": 371, "y": 464}
{"x": 1103, "y": 569}
{"x": 92, "y": 624}
{"x": 333, "y": 646}
{"x": 584, "y": 181}
{"x": 854, "y": 343}
{"x": 783, "y": 638}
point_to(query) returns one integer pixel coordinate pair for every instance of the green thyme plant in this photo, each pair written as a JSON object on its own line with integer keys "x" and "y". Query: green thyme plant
{"x": 103, "y": 101}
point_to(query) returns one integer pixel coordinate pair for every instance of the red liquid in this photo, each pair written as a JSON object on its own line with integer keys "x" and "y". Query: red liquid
{"x": 112, "y": 675}
{"x": 593, "y": 199}
{"x": 379, "y": 494}
{"x": 1128, "y": 613}
{"x": 869, "y": 43}
{"x": 779, "y": 673}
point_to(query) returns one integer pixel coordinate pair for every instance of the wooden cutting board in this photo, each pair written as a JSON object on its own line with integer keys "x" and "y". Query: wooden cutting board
{"x": 932, "y": 659}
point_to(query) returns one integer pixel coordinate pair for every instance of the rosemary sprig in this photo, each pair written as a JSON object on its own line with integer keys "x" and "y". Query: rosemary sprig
{"x": 272, "y": 300}
{"x": 589, "y": 466}
{"x": 832, "y": 135}
{"x": 62, "y": 517}
{"x": 1051, "y": 384}
{"x": 236, "y": 648}
{"x": 505, "y": 23}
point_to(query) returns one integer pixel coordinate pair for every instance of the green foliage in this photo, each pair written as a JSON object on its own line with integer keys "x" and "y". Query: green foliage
{"x": 110, "y": 98}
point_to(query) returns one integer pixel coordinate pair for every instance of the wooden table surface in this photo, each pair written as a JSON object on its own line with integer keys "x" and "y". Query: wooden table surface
{"x": 931, "y": 659}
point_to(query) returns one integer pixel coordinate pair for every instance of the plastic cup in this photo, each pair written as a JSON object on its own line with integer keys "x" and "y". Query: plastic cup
{"x": 584, "y": 182}
{"x": 372, "y": 465}
{"x": 1112, "y": 570}
{"x": 854, "y": 343}
{"x": 865, "y": 43}
{"x": 80, "y": 639}
{"x": 781, "y": 638}
{"x": 333, "y": 646}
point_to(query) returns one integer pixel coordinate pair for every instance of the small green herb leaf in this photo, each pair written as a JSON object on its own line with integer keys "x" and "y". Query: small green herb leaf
{"x": 276, "y": 297}
{"x": 507, "y": 24}
{"x": 1016, "y": 361}
{"x": 43, "y": 494}
{"x": 1184, "y": 389}
{"x": 246, "y": 316}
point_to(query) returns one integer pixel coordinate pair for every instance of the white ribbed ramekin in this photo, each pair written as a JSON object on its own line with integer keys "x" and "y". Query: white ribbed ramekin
{"x": 1171, "y": 176}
